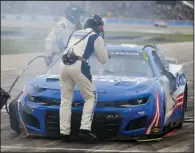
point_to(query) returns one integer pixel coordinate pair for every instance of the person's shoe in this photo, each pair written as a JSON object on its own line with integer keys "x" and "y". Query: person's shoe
{"x": 64, "y": 138}
{"x": 87, "y": 135}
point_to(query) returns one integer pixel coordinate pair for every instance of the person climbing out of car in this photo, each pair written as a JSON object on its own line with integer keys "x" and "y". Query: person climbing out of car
{"x": 75, "y": 70}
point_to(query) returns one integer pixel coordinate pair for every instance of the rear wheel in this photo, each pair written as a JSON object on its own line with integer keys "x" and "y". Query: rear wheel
{"x": 183, "y": 109}
{"x": 165, "y": 128}
{"x": 181, "y": 119}
{"x": 185, "y": 98}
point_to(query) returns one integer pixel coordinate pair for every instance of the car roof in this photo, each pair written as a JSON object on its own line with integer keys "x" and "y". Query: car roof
{"x": 124, "y": 47}
{"x": 128, "y": 48}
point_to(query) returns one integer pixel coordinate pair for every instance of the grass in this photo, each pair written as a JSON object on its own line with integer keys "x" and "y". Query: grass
{"x": 36, "y": 36}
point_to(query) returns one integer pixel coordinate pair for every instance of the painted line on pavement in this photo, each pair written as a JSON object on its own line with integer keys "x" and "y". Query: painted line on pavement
{"x": 62, "y": 149}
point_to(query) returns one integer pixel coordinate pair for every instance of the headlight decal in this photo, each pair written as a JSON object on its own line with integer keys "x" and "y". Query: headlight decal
{"x": 33, "y": 88}
{"x": 43, "y": 101}
{"x": 133, "y": 102}
{"x": 155, "y": 119}
{"x": 125, "y": 103}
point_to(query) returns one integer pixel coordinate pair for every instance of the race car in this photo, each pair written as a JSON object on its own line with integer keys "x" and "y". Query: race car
{"x": 161, "y": 24}
{"x": 139, "y": 96}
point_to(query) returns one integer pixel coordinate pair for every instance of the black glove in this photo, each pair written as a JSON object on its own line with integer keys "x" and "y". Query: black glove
{"x": 4, "y": 97}
{"x": 48, "y": 60}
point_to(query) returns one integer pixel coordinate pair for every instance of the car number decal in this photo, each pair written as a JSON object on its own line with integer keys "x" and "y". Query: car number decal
{"x": 180, "y": 79}
{"x": 118, "y": 79}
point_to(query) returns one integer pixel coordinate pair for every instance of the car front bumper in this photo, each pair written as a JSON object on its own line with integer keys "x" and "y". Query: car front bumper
{"x": 108, "y": 122}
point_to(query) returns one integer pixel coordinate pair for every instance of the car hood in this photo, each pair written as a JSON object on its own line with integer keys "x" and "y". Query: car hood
{"x": 104, "y": 86}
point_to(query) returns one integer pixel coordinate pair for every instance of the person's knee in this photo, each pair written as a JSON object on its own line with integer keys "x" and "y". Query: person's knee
{"x": 90, "y": 97}
{"x": 66, "y": 103}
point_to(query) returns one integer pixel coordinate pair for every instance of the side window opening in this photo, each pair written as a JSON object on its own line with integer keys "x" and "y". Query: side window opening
{"x": 158, "y": 62}
{"x": 166, "y": 65}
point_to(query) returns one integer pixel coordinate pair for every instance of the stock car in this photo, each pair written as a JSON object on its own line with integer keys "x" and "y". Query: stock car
{"x": 161, "y": 24}
{"x": 139, "y": 96}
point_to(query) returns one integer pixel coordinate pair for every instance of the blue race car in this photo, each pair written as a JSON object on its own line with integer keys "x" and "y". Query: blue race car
{"x": 139, "y": 95}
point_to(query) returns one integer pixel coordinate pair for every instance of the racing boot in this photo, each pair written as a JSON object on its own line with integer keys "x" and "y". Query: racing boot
{"x": 65, "y": 138}
{"x": 87, "y": 135}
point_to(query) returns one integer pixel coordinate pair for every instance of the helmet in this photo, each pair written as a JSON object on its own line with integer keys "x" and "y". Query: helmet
{"x": 73, "y": 12}
{"x": 97, "y": 19}
{"x": 93, "y": 22}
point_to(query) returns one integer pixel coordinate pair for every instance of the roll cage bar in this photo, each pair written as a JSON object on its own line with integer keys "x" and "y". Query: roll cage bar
{"x": 152, "y": 46}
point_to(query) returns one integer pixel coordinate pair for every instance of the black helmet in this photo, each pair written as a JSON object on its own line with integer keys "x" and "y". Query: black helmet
{"x": 73, "y": 12}
{"x": 93, "y": 22}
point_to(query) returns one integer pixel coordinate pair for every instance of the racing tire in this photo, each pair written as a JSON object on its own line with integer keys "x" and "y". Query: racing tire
{"x": 185, "y": 98}
{"x": 184, "y": 108}
{"x": 13, "y": 118}
{"x": 180, "y": 125}
{"x": 165, "y": 128}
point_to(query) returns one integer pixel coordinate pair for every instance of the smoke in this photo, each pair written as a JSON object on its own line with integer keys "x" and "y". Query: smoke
{"x": 115, "y": 9}
{"x": 131, "y": 9}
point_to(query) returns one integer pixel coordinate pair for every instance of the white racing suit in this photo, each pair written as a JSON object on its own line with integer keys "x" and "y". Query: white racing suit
{"x": 57, "y": 39}
{"x": 79, "y": 74}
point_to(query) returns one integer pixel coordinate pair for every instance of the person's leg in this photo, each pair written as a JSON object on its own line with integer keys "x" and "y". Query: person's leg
{"x": 88, "y": 93}
{"x": 66, "y": 86}
{"x": 83, "y": 79}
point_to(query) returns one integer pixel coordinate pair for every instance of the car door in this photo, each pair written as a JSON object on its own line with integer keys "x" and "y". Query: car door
{"x": 163, "y": 66}
{"x": 165, "y": 80}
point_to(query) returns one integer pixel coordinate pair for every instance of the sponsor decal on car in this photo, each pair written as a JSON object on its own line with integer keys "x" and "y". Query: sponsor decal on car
{"x": 180, "y": 79}
{"x": 118, "y": 79}
{"x": 145, "y": 55}
{"x": 125, "y": 53}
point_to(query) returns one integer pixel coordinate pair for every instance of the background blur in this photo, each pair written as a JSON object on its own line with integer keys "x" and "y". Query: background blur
{"x": 163, "y": 10}
{"x": 25, "y": 24}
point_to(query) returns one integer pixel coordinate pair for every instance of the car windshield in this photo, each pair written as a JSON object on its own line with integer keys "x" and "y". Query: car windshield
{"x": 131, "y": 64}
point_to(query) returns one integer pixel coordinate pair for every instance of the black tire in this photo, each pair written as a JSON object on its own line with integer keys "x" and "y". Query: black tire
{"x": 183, "y": 111}
{"x": 184, "y": 108}
{"x": 185, "y": 97}
{"x": 181, "y": 119}
{"x": 14, "y": 120}
{"x": 165, "y": 129}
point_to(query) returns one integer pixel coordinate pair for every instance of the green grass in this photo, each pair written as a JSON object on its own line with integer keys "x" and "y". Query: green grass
{"x": 37, "y": 35}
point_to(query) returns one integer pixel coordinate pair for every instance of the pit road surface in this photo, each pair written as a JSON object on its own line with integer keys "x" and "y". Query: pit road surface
{"x": 180, "y": 141}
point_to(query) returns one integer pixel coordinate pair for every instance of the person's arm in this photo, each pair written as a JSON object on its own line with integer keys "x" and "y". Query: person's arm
{"x": 100, "y": 50}
{"x": 51, "y": 42}
{"x": 55, "y": 36}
